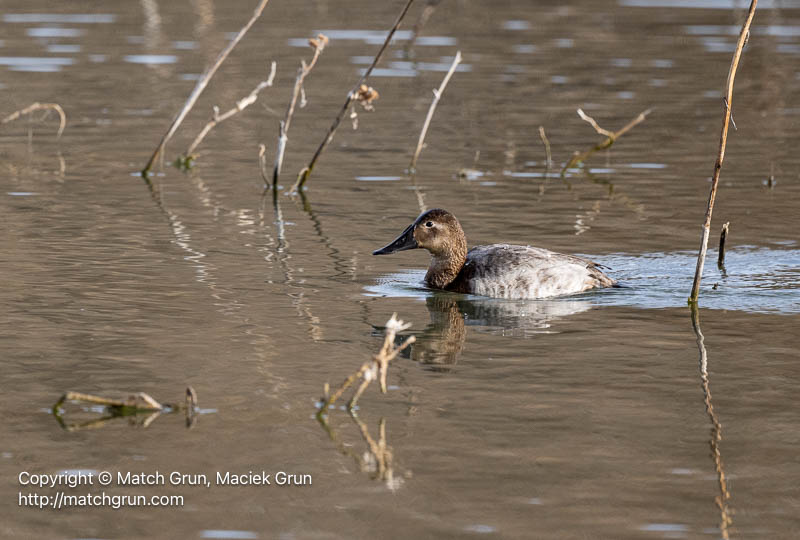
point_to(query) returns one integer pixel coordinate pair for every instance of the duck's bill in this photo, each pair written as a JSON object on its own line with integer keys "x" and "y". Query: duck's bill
{"x": 401, "y": 243}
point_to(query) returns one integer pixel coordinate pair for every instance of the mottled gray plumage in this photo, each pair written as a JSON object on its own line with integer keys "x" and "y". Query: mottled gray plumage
{"x": 518, "y": 272}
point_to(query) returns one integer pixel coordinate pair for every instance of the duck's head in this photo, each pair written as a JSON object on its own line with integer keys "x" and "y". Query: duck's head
{"x": 436, "y": 230}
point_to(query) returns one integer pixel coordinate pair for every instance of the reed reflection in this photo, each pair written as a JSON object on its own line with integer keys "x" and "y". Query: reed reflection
{"x": 723, "y": 499}
{"x": 377, "y": 459}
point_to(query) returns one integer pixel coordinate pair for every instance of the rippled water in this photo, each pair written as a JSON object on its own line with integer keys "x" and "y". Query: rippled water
{"x": 612, "y": 414}
{"x": 755, "y": 280}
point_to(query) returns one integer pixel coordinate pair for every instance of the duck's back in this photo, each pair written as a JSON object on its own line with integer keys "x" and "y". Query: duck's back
{"x": 520, "y": 272}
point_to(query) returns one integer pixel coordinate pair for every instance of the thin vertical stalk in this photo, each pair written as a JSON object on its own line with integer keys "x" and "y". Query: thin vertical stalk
{"x": 437, "y": 94}
{"x": 723, "y": 139}
{"x": 319, "y": 45}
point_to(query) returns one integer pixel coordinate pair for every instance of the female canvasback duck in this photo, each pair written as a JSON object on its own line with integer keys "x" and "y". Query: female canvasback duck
{"x": 497, "y": 270}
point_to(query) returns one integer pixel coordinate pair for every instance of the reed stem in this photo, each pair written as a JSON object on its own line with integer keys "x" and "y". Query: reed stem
{"x": 723, "y": 139}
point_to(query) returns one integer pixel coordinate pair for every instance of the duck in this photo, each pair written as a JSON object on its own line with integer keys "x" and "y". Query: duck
{"x": 497, "y": 270}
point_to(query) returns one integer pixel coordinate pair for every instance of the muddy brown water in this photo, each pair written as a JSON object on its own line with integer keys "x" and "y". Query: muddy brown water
{"x": 585, "y": 417}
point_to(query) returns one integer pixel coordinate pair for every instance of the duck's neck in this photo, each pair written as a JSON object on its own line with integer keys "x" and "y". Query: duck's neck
{"x": 446, "y": 265}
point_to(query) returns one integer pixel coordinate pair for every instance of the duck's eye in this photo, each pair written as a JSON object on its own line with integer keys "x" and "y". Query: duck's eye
{"x": 429, "y": 224}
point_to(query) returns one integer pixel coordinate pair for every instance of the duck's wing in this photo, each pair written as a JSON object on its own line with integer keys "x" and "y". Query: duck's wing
{"x": 510, "y": 271}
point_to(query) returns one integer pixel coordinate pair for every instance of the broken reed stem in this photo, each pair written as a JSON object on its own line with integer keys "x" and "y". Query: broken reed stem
{"x": 262, "y": 164}
{"x": 139, "y": 401}
{"x": 375, "y": 368}
{"x": 611, "y": 137}
{"x": 723, "y": 235}
{"x": 319, "y": 45}
{"x": 241, "y": 105}
{"x": 546, "y": 143}
{"x": 200, "y": 86}
{"x": 38, "y": 107}
{"x": 723, "y": 139}
{"x": 437, "y": 94}
{"x": 303, "y": 175}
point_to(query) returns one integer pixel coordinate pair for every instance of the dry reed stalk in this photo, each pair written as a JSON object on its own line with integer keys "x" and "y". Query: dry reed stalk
{"x": 318, "y": 45}
{"x": 139, "y": 401}
{"x": 358, "y": 92}
{"x": 375, "y": 368}
{"x": 611, "y": 137}
{"x": 139, "y": 405}
{"x": 200, "y": 86}
{"x": 38, "y": 107}
{"x": 723, "y": 139}
{"x": 218, "y": 118}
{"x": 437, "y": 94}
{"x": 723, "y": 235}
{"x": 190, "y": 403}
{"x": 546, "y": 143}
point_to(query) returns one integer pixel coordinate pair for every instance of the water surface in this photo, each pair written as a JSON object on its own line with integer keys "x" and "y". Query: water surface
{"x": 583, "y": 417}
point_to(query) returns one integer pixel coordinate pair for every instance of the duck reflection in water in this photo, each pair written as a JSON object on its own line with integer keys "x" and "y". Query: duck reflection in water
{"x": 439, "y": 345}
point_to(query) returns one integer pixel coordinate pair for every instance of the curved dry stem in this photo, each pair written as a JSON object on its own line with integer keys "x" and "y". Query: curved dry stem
{"x": 592, "y": 123}
{"x": 38, "y": 107}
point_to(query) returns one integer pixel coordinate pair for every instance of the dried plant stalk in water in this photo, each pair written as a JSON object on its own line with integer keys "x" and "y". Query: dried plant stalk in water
{"x": 140, "y": 405}
{"x": 139, "y": 401}
{"x": 38, "y": 107}
{"x": 723, "y": 235}
{"x": 353, "y": 95}
{"x": 546, "y": 143}
{"x": 241, "y": 105}
{"x": 723, "y": 139}
{"x": 318, "y": 44}
{"x": 611, "y": 137}
{"x": 375, "y": 368}
{"x": 200, "y": 86}
{"x": 437, "y": 94}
